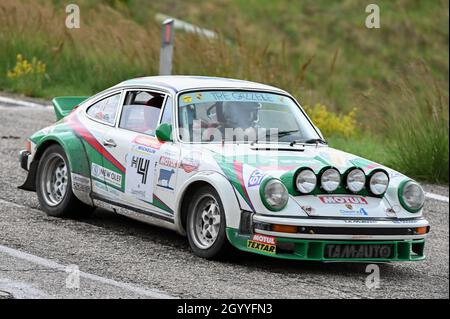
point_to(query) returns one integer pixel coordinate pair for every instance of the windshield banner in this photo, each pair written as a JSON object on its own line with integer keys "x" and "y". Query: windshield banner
{"x": 233, "y": 96}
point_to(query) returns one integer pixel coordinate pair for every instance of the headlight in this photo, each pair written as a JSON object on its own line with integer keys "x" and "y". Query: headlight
{"x": 274, "y": 194}
{"x": 412, "y": 196}
{"x": 378, "y": 183}
{"x": 330, "y": 179}
{"x": 306, "y": 181}
{"x": 356, "y": 179}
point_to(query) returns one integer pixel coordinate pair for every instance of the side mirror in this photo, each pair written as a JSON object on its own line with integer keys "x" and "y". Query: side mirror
{"x": 164, "y": 132}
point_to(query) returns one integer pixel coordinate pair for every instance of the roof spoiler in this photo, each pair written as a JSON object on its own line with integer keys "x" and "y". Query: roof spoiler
{"x": 63, "y": 105}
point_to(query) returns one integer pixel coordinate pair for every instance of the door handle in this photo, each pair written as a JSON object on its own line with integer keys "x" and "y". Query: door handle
{"x": 109, "y": 143}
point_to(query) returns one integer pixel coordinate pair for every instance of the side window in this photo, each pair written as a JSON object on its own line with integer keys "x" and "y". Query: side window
{"x": 140, "y": 112}
{"x": 106, "y": 109}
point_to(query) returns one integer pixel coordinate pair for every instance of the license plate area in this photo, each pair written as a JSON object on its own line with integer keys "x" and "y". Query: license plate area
{"x": 359, "y": 251}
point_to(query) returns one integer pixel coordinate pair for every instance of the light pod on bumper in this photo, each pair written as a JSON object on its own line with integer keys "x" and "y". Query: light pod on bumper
{"x": 411, "y": 195}
{"x": 356, "y": 179}
{"x": 274, "y": 194}
{"x": 330, "y": 179}
{"x": 306, "y": 181}
{"x": 378, "y": 183}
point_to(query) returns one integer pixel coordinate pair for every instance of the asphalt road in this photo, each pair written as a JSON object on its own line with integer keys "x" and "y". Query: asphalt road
{"x": 122, "y": 258}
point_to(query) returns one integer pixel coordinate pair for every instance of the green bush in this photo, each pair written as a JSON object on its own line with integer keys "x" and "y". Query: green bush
{"x": 416, "y": 121}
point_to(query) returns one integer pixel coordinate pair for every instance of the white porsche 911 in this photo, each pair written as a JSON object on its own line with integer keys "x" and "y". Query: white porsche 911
{"x": 229, "y": 163}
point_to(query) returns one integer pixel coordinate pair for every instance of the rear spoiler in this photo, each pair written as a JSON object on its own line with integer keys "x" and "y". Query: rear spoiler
{"x": 63, "y": 105}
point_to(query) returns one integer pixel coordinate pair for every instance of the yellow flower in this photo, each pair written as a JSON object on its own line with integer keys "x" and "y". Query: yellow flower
{"x": 331, "y": 123}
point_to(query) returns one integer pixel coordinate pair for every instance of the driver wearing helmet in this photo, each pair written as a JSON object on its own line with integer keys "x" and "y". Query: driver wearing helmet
{"x": 242, "y": 115}
{"x": 242, "y": 118}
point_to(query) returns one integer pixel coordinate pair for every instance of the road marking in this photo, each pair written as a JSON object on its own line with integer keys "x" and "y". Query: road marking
{"x": 437, "y": 197}
{"x": 152, "y": 293}
{"x": 21, "y": 290}
{"x": 8, "y": 100}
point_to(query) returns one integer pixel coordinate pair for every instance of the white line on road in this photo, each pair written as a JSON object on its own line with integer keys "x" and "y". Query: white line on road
{"x": 437, "y": 197}
{"x": 151, "y": 293}
{"x": 9, "y": 100}
{"x": 21, "y": 290}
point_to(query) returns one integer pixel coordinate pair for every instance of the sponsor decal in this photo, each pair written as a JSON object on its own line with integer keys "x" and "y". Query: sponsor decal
{"x": 266, "y": 244}
{"x": 358, "y": 251}
{"x": 264, "y": 239}
{"x": 165, "y": 175}
{"x": 139, "y": 177}
{"x": 189, "y": 164}
{"x": 144, "y": 150}
{"x": 141, "y": 166}
{"x": 336, "y": 199}
{"x": 255, "y": 178}
{"x": 147, "y": 141}
{"x": 100, "y": 186}
{"x": 187, "y": 99}
{"x": 199, "y": 96}
{"x": 359, "y": 212}
{"x": 407, "y": 221}
{"x": 360, "y": 221}
{"x": 108, "y": 175}
{"x": 169, "y": 162}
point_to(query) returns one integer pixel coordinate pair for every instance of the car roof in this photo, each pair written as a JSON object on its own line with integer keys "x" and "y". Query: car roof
{"x": 178, "y": 83}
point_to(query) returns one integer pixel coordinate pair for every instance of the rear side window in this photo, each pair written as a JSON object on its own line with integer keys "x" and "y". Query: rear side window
{"x": 105, "y": 110}
{"x": 141, "y": 110}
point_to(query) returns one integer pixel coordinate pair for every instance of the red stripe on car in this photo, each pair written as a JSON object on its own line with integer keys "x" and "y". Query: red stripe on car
{"x": 83, "y": 132}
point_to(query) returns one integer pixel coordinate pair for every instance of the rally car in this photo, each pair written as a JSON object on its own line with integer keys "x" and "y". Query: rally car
{"x": 228, "y": 163}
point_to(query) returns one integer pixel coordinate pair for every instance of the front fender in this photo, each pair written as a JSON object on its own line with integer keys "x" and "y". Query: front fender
{"x": 225, "y": 190}
{"x": 78, "y": 160}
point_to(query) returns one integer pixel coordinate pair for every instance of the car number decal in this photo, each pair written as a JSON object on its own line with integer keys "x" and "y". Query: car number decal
{"x": 139, "y": 176}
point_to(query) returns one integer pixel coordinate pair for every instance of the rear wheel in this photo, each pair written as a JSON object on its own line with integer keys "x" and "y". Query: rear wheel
{"x": 54, "y": 186}
{"x": 206, "y": 225}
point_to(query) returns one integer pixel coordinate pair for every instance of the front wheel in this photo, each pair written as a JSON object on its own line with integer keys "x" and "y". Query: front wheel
{"x": 54, "y": 186}
{"x": 206, "y": 225}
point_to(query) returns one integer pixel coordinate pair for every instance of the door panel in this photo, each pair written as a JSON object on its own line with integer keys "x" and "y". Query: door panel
{"x": 138, "y": 150}
{"x": 99, "y": 118}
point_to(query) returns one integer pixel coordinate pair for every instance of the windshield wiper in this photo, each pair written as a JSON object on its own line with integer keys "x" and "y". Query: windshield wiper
{"x": 280, "y": 134}
{"x": 284, "y": 133}
{"x": 310, "y": 141}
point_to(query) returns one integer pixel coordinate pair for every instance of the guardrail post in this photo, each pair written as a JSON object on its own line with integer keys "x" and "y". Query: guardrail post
{"x": 165, "y": 55}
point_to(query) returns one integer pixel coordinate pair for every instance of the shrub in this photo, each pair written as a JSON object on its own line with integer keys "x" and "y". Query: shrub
{"x": 332, "y": 124}
{"x": 417, "y": 124}
{"x": 27, "y": 77}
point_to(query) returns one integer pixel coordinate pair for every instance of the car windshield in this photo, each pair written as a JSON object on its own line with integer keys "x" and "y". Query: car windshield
{"x": 241, "y": 116}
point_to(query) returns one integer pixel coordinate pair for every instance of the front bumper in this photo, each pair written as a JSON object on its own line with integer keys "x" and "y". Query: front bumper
{"x": 333, "y": 240}
{"x": 343, "y": 228}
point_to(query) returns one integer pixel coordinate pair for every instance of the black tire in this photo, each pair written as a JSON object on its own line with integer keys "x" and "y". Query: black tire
{"x": 69, "y": 205}
{"x": 221, "y": 248}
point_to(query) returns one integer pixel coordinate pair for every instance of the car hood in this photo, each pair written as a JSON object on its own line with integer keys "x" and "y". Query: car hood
{"x": 244, "y": 164}
{"x": 276, "y": 160}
